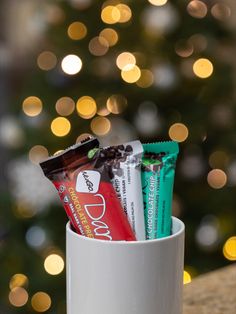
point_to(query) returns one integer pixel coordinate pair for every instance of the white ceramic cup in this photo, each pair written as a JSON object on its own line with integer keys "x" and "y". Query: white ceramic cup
{"x": 110, "y": 277}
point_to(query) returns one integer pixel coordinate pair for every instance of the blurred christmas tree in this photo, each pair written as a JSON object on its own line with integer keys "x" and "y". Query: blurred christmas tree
{"x": 148, "y": 69}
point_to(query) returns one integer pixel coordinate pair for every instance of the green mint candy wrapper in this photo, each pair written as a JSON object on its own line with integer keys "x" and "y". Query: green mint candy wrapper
{"x": 158, "y": 171}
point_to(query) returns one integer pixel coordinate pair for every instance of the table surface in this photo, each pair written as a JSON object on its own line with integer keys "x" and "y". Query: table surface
{"x": 212, "y": 293}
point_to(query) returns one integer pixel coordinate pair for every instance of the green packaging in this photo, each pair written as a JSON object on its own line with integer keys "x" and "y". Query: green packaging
{"x": 158, "y": 170}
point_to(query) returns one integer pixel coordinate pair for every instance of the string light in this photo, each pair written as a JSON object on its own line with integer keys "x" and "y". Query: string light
{"x": 46, "y": 60}
{"x": 158, "y": 2}
{"x": 110, "y": 36}
{"x": 229, "y": 249}
{"x": 116, "y": 104}
{"x": 65, "y": 106}
{"x": 32, "y": 106}
{"x": 41, "y": 302}
{"x": 98, "y": 46}
{"x": 77, "y": 31}
{"x": 60, "y": 126}
{"x": 18, "y": 296}
{"x": 124, "y": 59}
{"x": 197, "y": 9}
{"x": 131, "y": 73}
{"x": 146, "y": 79}
{"x": 86, "y": 107}
{"x": 203, "y": 68}
{"x": 71, "y": 64}
{"x": 186, "y": 277}
{"x": 178, "y": 132}
{"x": 125, "y": 13}
{"x": 110, "y": 14}
{"x": 216, "y": 178}
{"x": 18, "y": 280}
{"x": 54, "y": 264}
{"x": 100, "y": 126}
{"x": 37, "y": 154}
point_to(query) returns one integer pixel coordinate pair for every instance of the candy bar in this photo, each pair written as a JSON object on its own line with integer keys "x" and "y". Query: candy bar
{"x": 87, "y": 193}
{"x": 158, "y": 169}
{"x": 124, "y": 164}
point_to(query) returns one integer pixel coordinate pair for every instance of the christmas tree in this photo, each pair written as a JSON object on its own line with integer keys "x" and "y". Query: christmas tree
{"x": 120, "y": 70}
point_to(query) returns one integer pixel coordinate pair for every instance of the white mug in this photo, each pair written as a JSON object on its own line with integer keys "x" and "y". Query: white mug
{"x": 119, "y": 277}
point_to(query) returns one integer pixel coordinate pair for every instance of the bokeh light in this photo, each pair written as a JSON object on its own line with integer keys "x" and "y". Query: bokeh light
{"x": 83, "y": 137}
{"x": 184, "y": 48}
{"x": 203, "y": 68}
{"x": 217, "y": 178}
{"x": 229, "y": 249}
{"x": 36, "y": 237}
{"x": 38, "y": 153}
{"x": 125, "y": 13}
{"x": 110, "y": 35}
{"x": 18, "y": 296}
{"x": 24, "y": 211}
{"x": 124, "y": 59}
{"x": 197, "y": 9}
{"x": 100, "y": 126}
{"x": 32, "y": 106}
{"x": 98, "y": 46}
{"x": 199, "y": 42}
{"x": 131, "y": 73}
{"x": 110, "y": 14}
{"x": 71, "y": 64}
{"x": 158, "y": 2}
{"x": 46, "y": 60}
{"x": 221, "y": 11}
{"x": 178, "y": 132}
{"x": 54, "y": 264}
{"x": 41, "y": 302}
{"x": 116, "y": 104}
{"x": 186, "y": 277}
{"x": 65, "y": 106}
{"x": 77, "y": 30}
{"x": 86, "y": 107}
{"x": 18, "y": 280}
{"x": 60, "y": 126}
{"x": 146, "y": 79}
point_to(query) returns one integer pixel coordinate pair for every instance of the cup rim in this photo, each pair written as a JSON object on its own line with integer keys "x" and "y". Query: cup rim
{"x": 123, "y": 242}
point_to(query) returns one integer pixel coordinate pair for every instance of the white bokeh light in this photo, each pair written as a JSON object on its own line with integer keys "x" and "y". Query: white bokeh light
{"x": 71, "y": 64}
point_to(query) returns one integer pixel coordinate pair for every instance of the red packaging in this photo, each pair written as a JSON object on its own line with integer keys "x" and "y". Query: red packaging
{"x": 87, "y": 193}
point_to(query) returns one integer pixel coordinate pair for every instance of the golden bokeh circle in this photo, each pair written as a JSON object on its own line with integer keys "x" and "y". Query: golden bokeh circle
{"x": 146, "y": 79}
{"x": 83, "y": 137}
{"x": 131, "y": 73}
{"x": 100, "y": 126}
{"x": 65, "y": 106}
{"x": 86, "y": 107}
{"x": 32, "y": 106}
{"x": 158, "y": 2}
{"x": 217, "y": 178}
{"x": 54, "y": 264}
{"x": 77, "y": 31}
{"x": 116, "y": 104}
{"x": 229, "y": 249}
{"x": 98, "y": 46}
{"x": 41, "y": 302}
{"x": 18, "y": 280}
{"x": 46, "y": 60}
{"x": 110, "y": 14}
{"x": 18, "y": 296}
{"x": 203, "y": 68}
{"x": 38, "y": 153}
{"x": 124, "y": 59}
{"x": 186, "y": 277}
{"x": 60, "y": 126}
{"x": 197, "y": 9}
{"x": 110, "y": 35}
{"x": 125, "y": 12}
{"x": 178, "y": 132}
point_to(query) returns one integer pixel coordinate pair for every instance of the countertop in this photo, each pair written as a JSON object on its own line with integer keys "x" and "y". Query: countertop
{"x": 212, "y": 293}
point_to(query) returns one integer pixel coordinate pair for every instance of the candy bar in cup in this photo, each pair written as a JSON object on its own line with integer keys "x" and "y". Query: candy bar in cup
{"x": 125, "y": 277}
